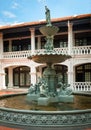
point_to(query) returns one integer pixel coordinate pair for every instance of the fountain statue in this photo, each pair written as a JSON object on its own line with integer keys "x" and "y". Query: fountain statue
{"x": 48, "y": 19}
{"x": 48, "y": 89}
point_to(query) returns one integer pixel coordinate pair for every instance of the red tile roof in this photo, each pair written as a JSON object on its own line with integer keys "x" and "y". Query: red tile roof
{"x": 43, "y": 21}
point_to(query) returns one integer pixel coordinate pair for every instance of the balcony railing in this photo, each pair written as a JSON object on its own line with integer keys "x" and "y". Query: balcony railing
{"x": 81, "y": 50}
{"x": 78, "y": 50}
{"x": 16, "y": 54}
{"x": 82, "y": 86}
{"x": 25, "y": 54}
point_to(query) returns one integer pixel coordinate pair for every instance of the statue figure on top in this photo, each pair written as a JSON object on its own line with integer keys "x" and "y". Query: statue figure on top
{"x": 48, "y": 19}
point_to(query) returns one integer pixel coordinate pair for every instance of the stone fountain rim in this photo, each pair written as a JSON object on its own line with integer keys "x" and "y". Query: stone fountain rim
{"x": 45, "y": 57}
{"x": 44, "y": 119}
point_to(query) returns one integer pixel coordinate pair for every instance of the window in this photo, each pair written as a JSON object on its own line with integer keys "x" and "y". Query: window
{"x": 6, "y": 46}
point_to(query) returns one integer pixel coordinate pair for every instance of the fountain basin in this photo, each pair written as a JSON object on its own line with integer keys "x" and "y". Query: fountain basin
{"x": 49, "y": 30}
{"x": 49, "y": 58}
{"x": 45, "y": 120}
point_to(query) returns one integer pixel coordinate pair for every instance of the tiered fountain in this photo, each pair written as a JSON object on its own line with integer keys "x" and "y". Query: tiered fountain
{"x": 48, "y": 89}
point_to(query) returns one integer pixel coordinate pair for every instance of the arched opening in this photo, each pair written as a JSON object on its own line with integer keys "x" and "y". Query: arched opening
{"x": 21, "y": 76}
{"x": 83, "y": 73}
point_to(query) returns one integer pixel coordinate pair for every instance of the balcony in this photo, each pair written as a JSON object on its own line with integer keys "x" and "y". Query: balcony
{"x": 76, "y": 50}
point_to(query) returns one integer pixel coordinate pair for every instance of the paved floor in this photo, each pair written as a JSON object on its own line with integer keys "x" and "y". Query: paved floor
{"x": 11, "y": 91}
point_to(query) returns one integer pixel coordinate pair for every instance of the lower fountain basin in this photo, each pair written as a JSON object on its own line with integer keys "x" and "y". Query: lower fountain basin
{"x": 44, "y": 119}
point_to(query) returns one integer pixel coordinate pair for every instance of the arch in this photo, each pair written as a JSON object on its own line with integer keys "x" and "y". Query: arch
{"x": 83, "y": 72}
{"x": 21, "y": 76}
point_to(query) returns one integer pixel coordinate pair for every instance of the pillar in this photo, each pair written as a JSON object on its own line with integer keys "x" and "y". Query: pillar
{"x": 33, "y": 75}
{"x": 70, "y": 74}
{"x": 10, "y": 72}
{"x": 39, "y": 42}
{"x": 1, "y": 45}
{"x": 10, "y": 45}
{"x": 70, "y": 37}
{"x": 2, "y": 78}
{"x": 32, "y": 30}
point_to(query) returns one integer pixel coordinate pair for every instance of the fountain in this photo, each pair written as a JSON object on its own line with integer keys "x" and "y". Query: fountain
{"x": 48, "y": 90}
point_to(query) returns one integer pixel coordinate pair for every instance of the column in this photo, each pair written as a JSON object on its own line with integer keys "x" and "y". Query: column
{"x": 10, "y": 72}
{"x": 39, "y": 42}
{"x": 33, "y": 75}
{"x": 32, "y": 30}
{"x": 1, "y": 45}
{"x": 70, "y": 37}
{"x": 2, "y": 78}
{"x": 70, "y": 74}
{"x": 10, "y": 45}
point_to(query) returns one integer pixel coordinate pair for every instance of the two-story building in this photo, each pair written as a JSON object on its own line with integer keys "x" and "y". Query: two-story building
{"x": 18, "y": 42}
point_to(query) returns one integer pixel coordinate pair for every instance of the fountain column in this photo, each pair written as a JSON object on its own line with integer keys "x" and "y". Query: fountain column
{"x": 50, "y": 76}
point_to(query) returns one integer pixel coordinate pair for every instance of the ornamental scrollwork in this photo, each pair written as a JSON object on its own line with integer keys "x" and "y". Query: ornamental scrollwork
{"x": 45, "y": 119}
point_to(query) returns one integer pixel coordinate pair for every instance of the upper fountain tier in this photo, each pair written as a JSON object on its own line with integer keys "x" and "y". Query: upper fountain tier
{"x": 49, "y": 30}
{"x": 49, "y": 58}
{"x": 49, "y": 55}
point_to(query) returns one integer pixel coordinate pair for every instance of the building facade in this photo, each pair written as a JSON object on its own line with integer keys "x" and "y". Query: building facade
{"x": 18, "y": 42}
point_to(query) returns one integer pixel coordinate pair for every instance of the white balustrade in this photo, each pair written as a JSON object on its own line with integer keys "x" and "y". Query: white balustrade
{"x": 82, "y": 86}
{"x": 77, "y": 50}
{"x": 63, "y": 50}
{"x": 25, "y": 54}
{"x": 16, "y": 54}
{"x": 81, "y": 50}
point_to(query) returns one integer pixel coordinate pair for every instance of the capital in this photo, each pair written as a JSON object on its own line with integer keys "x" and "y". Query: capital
{"x": 32, "y": 29}
{"x": 70, "y": 24}
{"x": 1, "y": 35}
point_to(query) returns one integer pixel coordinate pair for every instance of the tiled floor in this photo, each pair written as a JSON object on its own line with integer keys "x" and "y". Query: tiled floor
{"x": 6, "y": 128}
